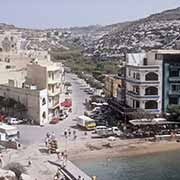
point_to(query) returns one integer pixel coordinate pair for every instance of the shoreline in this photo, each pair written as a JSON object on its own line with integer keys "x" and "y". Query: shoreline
{"x": 130, "y": 150}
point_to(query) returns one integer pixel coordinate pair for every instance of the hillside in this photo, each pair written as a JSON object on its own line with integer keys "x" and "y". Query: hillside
{"x": 156, "y": 31}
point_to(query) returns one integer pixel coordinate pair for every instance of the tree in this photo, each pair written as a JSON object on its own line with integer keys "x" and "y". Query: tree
{"x": 17, "y": 168}
{"x": 174, "y": 112}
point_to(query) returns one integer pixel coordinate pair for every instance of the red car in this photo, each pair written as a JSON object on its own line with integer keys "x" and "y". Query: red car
{"x": 54, "y": 121}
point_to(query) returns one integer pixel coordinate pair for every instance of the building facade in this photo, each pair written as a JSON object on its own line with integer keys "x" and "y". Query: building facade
{"x": 35, "y": 101}
{"x": 143, "y": 83}
{"x": 153, "y": 80}
{"x": 111, "y": 85}
{"x": 49, "y": 76}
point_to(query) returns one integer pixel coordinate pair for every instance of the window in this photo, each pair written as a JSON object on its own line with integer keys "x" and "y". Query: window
{"x": 137, "y": 76}
{"x": 44, "y": 115}
{"x": 151, "y": 91}
{"x": 44, "y": 101}
{"x": 136, "y": 90}
{"x": 137, "y": 104}
{"x": 129, "y": 72}
{"x": 151, "y": 105}
{"x": 174, "y": 73}
{"x": 173, "y": 100}
{"x": 151, "y": 76}
{"x": 158, "y": 56}
{"x": 145, "y": 61}
{"x": 175, "y": 87}
{"x": 134, "y": 75}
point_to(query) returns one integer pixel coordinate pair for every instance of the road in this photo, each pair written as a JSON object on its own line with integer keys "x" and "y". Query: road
{"x": 36, "y": 134}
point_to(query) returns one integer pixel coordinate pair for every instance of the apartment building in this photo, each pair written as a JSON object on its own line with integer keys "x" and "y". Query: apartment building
{"x": 50, "y": 76}
{"x": 143, "y": 83}
{"x": 153, "y": 80}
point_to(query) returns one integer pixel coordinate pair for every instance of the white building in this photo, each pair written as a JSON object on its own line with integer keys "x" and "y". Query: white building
{"x": 143, "y": 82}
{"x": 8, "y": 132}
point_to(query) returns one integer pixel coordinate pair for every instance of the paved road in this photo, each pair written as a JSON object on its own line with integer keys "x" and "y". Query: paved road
{"x": 35, "y": 134}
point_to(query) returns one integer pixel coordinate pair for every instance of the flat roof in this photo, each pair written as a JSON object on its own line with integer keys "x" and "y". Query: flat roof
{"x": 7, "y": 127}
{"x": 167, "y": 51}
{"x": 85, "y": 118}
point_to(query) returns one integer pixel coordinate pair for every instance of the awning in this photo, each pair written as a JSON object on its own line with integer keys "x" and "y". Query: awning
{"x": 66, "y": 103}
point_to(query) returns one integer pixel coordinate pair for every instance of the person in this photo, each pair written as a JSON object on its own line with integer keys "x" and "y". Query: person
{"x": 75, "y": 137}
{"x": 53, "y": 135}
{"x": 69, "y": 132}
{"x": 46, "y": 141}
{"x": 65, "y": 133}
{"x": 79, "y": 178}
{"x": 58, "y": 154}
{"x": 47, "y": 135}
{"x": 29, "y": 163}
{"x": 74, "y": 132}
{"x": 65, "y": 155}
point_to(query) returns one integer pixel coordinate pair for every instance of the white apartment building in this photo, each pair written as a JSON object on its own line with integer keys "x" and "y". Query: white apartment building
{"x": 143, "y": 82}
{"x": 50, "y": 76}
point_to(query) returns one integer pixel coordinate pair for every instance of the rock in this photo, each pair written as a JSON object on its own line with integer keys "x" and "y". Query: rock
{"x": 26, "y": 177}
{"x": 7, "y": 175}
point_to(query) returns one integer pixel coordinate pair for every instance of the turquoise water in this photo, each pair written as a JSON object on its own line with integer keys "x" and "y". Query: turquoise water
{"x": 161, "y": 166}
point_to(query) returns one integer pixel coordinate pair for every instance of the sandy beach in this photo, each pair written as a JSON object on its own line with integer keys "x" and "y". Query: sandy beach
{"x": 120, "y": 148}
{"x": 83, "y": 149}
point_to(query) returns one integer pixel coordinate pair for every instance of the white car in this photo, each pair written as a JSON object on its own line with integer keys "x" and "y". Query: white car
{"x": 14, "y": 121}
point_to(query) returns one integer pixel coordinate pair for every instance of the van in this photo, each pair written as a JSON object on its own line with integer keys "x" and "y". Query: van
{"x": 86, "y": 122}
{"x": 100, "y": 128}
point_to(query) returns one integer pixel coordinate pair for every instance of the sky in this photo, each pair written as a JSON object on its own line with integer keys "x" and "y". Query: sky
{"x": 69, "y": 13}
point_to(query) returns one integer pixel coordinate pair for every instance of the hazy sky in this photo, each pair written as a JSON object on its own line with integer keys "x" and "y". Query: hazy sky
{"x": 66, "y": 13}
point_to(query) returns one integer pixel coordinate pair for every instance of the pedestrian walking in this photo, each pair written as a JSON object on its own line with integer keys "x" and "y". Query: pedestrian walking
{"x": 69, "y": 133}
{"x": 29, "y": 163}
{"x": 75, "y": 137}
{"x": 65, "y": 134}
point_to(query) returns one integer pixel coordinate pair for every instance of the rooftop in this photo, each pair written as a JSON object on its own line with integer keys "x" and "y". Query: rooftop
{"x": 7, "y": 127}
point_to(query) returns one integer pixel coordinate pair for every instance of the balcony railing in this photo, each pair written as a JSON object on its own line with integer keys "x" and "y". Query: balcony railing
{"x": 131, "y": 93}
{"x": 174, "y": 79}
{"x": 174, "y": 92}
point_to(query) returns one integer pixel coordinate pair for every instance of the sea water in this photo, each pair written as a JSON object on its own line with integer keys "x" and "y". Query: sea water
{"x": 159, "y": 166}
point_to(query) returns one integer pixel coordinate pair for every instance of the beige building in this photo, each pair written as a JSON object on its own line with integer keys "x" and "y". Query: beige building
{"x": 35, "y": 101}
{"x": 112, "y": 83}
{"x": 13, "y": 67}
{"x": 48, "y": 75}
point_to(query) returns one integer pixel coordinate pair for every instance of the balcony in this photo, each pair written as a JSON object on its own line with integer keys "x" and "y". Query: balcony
{"x": 133, "y": 94}
{"x": 174, "y": 92}
{"x": 53, "y": 93}
{"x": 53, "y": 81}
{"x": 53, "y": 105}
{"x": 174, "y": 79}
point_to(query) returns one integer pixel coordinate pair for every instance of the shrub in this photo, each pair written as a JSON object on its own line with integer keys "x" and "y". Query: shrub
{"x": 17, "y": 168}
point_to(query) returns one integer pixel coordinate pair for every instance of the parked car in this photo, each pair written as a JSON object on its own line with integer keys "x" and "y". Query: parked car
{"x": 100, "y": 128}
{"x": 14, "y": 121}
{"x": 54, "y": 121}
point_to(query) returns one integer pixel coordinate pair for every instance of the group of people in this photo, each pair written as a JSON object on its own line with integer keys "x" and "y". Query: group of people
{"x": 68, "y": 133}
{"x": 49, "y": 137}
{"x": 62, "y": 157}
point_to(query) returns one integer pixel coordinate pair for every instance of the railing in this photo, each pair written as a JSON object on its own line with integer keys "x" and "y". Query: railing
{"x": 174, "y": 79}
{"x": 174, "y": 92}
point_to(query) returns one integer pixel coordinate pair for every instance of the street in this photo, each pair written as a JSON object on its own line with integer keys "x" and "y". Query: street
{"x": 30, "y": 134}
